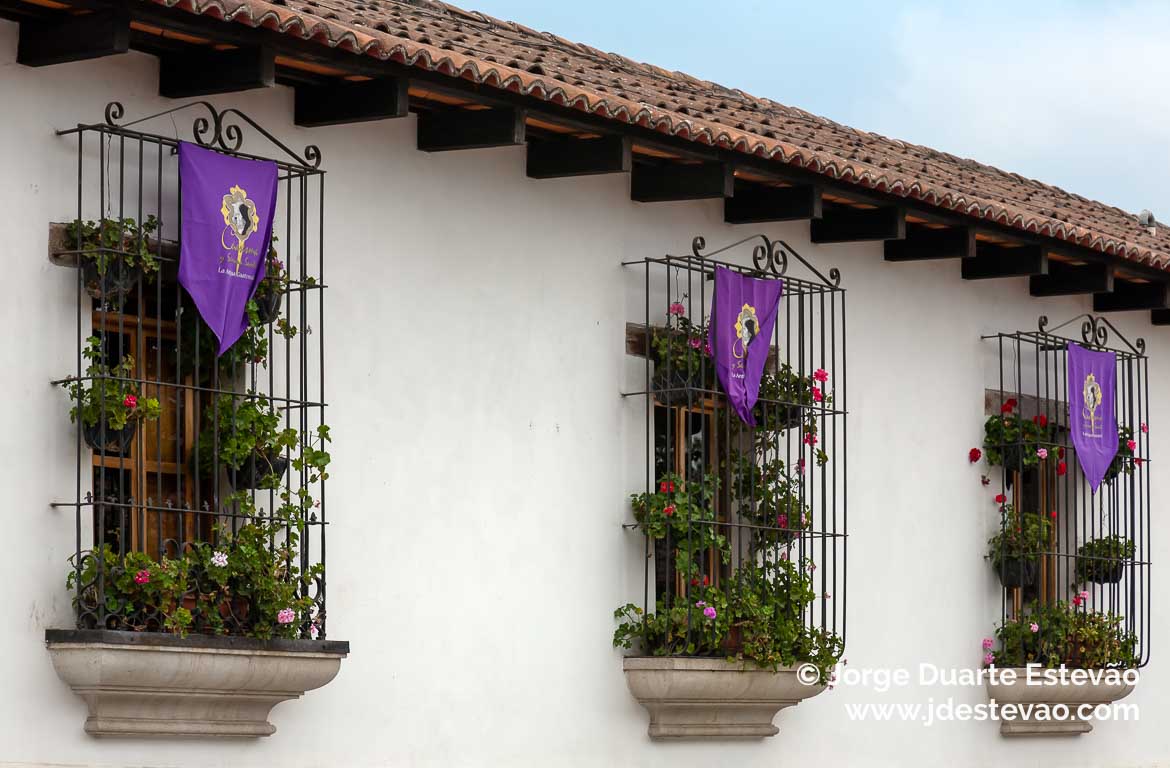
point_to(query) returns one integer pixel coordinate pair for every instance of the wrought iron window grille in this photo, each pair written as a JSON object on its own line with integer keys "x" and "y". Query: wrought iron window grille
{"x": 732, "y": 513}
{"x": 159, "y": 490}
{"x": 1096, "y": 552}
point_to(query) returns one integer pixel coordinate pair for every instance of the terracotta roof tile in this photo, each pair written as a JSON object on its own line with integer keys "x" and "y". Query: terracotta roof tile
{"x": 466, "y": 44}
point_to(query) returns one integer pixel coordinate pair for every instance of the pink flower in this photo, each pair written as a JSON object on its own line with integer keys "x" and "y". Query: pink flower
{"x": 1130, "y": 444}
{"x": 821, "y": 375}
{"x": 817, "y": 395}
{"x": 1145, "y": 427}
{"x": 784, "y": 555}
{"x": 706, "y": 349}
{"x": 1084, "y": 594}
{"x": 709, "y": 612}
{"x": 828, "y": 596}
{"x": 1042, "y": 453}
{"x": 130, "y": 401}
{"x": 812, "y": 566}
{"x": 695, "y": 342}
{"x": 988, "y": 659}
{"x": 314, "y": 630}
{"x": 677, "y": 309}
{"x": 1034, "y": 627}
{"x": 988, "y": 643}
{"x": 782, "y": 521}
{"x": 810, "y": 438}
{"x": 286, "y": 616}
{"x": 142, "y": 577}
{"x": 800, "y": 466}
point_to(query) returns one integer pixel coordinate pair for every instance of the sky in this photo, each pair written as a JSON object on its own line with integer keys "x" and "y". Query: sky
{"x": 1071, "y": 93}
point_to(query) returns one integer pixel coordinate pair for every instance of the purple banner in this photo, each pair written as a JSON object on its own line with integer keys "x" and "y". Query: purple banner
{"x": 1092, "y": 391}
{"x": 743, "y": 313}
{"x": 228, "y": 206}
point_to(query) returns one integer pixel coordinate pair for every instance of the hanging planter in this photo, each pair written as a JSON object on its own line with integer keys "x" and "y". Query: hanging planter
{"x": 1014, "y": 551}
{"x": 677, "y": 387}
{"x": 268, "y": 304}
{"x": 106, "y": 401}
{"x": 104, "y": 438}
{"x": 1103, "y": 560}
{"x": 113, "y": 255}
{"x": 1017, "y": 572}
{"x": 111, "y": 285}
{"x": 261, "y": 470}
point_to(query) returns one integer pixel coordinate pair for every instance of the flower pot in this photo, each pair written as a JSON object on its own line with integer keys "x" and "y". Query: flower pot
{"x": 102, "y": 437}
{"x": 268, "y": 303}
{"x": 258, "y": 468}
{"x": 1016, "y": 572}
{"x": 1100, "y": 571}
{"x": 113, "y": 286}
{"x": 780, "y": 418}
{"x": 676, "y": 387}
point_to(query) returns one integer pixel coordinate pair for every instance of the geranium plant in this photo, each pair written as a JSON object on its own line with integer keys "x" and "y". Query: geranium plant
{"x": 760, "y": 618}
{"x": 107, "y": 399}
{"x": 767, "y": 495}
{"x": 1012, "y": 441}
{"x": 1052, "y": 634}
{"x": 787, "y": 399}
{"x": 1014, "y": 550}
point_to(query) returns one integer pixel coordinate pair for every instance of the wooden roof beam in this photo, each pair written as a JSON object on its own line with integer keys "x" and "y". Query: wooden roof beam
{"x": 205, "y": 72}
{"x": 923, "y": 243}
{"x": 68, "y": 38}
{"x": 992, "y": 261}
{"x": 550, "y": 158}
{"x": 442, "y": 130}
{"x": 1068, "y": 280}
{"x": 755, "y": 204}
{"x": 1129, "y": 296}
{"x": 344, "y": 102}
{"x": 850, "y": 225}
{"x": 679, "y": 181}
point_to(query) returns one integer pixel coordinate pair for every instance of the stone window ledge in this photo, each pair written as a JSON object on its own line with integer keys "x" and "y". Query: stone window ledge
{"x": 142, "y": 684}
{"x": 1068, "y": 694}
{"x": 705, "y": 698}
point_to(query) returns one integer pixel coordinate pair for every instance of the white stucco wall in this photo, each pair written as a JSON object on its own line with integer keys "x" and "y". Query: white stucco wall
{"x": 476, "y": 554}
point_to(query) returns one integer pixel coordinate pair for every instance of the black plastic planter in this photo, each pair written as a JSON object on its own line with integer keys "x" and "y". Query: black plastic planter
{"x": 113, "y": 286}
{"x": 1017, "y": 572}
{"x": 258, "y": 469}
{"x": 1100, "y": 571}
{"x": 102, "y": 437}
{"x": 677, "y": 388}
{"x": 267, "y": 304}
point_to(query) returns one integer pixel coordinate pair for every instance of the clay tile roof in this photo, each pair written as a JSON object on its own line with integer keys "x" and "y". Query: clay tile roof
{"x": 466, "y": 44}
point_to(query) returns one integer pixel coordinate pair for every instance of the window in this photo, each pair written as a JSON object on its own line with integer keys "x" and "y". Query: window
{"x": 200, "y": 478}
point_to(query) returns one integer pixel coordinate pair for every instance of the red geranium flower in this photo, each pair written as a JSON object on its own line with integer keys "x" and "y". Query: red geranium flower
{"x": 1137, "y": 462}
{"x": 669, "y": 510}
{"x": 974, "y": 455}
{"x": 1000, "y": 498}
{"x": 1040, "y": 420}
{"x": 1061, "y": 469}
{"x": 662, "y": 487}
{"x": 1060, "y": 452}
{"x": 1008, "y": 405}
{"x": 1052, "y": 514}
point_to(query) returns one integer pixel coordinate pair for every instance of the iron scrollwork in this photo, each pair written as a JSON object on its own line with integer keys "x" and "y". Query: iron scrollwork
{"x": 1095, "y": 331}
{"x": 218, "y": 130}
{"x": 771, "y": 256}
